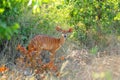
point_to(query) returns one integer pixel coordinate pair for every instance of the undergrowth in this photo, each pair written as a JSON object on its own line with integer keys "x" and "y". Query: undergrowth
{"x": 72, "y": 62}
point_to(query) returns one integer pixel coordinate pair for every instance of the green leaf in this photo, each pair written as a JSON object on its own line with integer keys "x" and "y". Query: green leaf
{"x": 117, "y": 17}
{"x": 2, "y": 10}
{"x": 94, "y": 50}
{"x": 15, "y": 26}
{"x": 45, "y": 1}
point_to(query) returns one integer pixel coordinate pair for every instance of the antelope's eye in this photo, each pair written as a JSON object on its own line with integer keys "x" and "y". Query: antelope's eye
{"x": 65, "y": 36}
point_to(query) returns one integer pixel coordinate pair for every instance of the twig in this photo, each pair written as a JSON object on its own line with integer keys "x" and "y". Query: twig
{"x": 2, "y": 52}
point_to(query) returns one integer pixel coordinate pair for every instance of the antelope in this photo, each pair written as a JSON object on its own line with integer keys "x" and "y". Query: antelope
{"x": 43, "y": 42}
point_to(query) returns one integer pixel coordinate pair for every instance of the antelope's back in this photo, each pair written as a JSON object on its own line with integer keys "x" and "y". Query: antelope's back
{"x": 44, "y": 42}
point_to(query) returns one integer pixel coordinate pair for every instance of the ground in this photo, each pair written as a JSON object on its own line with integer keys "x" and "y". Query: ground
{"x": 77, "y": 65}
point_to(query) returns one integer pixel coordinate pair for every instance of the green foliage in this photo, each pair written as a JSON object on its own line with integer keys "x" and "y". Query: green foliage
{"x": 91, "y": 19}
{"x": 6, "y": 32}
{"x": 117, "y": 17}
{"x": 8, "y": 12}
{"x": 94, "y": 50}
{"x": 97, "y": 17}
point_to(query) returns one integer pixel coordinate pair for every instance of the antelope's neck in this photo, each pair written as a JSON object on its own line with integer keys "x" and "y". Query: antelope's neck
{"x": 62, "y": 40}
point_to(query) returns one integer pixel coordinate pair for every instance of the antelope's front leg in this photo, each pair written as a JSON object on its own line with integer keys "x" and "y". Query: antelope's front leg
{"x": 52, "y": 56}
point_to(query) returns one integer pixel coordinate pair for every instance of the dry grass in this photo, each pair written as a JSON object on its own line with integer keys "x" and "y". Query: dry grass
{"x": 79, "y": 64}
{"x": 83, "y": 66}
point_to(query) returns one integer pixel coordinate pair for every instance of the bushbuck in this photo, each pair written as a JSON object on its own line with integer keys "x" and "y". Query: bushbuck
{"x": 43, "y": 42}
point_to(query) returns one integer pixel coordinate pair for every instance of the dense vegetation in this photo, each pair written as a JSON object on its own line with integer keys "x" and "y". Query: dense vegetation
{"x": 95, "y": 23}
{"x": 92, "y": 19}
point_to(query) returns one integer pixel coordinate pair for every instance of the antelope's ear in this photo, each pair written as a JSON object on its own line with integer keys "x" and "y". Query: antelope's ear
{"x": 70, "y": 30}
{"x": 58, "y": 28}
